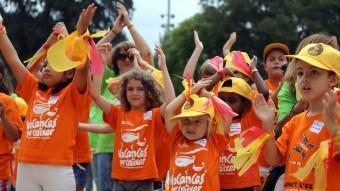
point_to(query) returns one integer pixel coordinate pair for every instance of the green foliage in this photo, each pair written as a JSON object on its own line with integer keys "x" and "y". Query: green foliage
{"x": 29, "y": 23}
{"x": 257, "y": 23}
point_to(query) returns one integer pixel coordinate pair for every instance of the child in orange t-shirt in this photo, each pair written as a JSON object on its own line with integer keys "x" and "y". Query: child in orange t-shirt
{"x": 10, "y": 129}
{"x": 48, "y": 137}
{"x": 237, "y": 93}
{"x": 305, "y": 146}
{"x": 137, "y": 125}
{"x": 195, "y": 147}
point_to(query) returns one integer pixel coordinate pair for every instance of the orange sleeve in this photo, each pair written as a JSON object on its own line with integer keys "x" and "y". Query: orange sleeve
{"x": 27, "y": 89}
{"x": 159, "y": 122}
{"x": 112, "y": 117}
{"x": 12, "y": 113}
{"x": 173, "y": 137}
{"x": 282, "y": 142}
{"x": 220, "y": 141}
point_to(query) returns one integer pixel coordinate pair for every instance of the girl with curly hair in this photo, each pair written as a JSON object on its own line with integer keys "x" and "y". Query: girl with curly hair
{"x": 137, "y": 123}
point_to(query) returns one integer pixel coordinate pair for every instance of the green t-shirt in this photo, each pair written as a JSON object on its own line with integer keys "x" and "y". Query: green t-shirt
{"x": 103, "y": 143}
{"x": 286, "y": 100}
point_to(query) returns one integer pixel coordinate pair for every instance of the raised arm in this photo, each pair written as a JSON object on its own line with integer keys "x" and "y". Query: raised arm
{"x": 34, "y": 65}
{"x": 141, "y": 44}
{"x": 257, "y": 78}
{"x": 265, "y": 111}
{"x": 230, "y": 42}
{"x": 192, "y": 62}
{"x": 173, "y": 108}
{"x": 95, "y": 82}
{"x": 116, "y": 29}
{"x": 82, "y": 72}
{"x": 169, "y": 91}
{"x": 11, "y": 56}
{"x": 95, "y": 128}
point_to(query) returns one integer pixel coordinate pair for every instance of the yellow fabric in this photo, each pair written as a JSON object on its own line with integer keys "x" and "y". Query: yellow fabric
{"x": 239, "y": 86}
{"x": 71, "y": 52}
{"x": 187, "y": 84}
{"x": 247, "y": 156}
{"x": 158, "y": 76}
{"x": 228, "y": 58}
{"x": 320, "y": 55}
{"x": 316, "y": 162}
{"x": 196, "y": 106}
{"x": 22, "y": 105}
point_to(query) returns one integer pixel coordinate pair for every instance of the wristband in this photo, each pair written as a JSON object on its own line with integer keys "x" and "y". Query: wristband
{"x": 130, "y": 26}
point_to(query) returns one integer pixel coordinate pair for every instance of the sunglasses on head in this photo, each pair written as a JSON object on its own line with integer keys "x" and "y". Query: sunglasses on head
{"x": 123, "y": 56}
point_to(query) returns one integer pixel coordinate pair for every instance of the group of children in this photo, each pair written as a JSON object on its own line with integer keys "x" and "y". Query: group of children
{"x": 218, "y": 134}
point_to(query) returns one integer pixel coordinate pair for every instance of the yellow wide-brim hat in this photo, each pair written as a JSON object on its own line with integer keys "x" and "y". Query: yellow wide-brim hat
{"x": 321, "y": 56}
{"x": 196, "y": 106}
{"x": 238, "y": 86}
{"x": 68, "y": 53}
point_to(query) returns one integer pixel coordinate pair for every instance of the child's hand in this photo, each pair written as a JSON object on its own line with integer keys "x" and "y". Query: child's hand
{"x": 85, "y": 18}
{"x": 60, "y": 28}
{"x": 330, "y": 112}
{"x": 1, "y": 20}
{"x": 205, "y": 93}
{"x": 105, "y": 50}
{"x": 198, "y": 43}
{"x": 161, "y": 57}
{"x": 197, "y": 87}
{"x": 253, "y": 63}
{"x": 265, "y": 111}
{"x": 122, "y": 11}
{"x": 230, "y": 42}
{"x": 119, "y": 24}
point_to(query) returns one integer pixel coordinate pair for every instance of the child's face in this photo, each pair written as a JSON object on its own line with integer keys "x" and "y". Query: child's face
{"x": 274, "y": 61}
{"x": 313, "y": 82}
{"x": 233, "y": 100}
{"x": 135, "y": 94}
{"x": 195, "y": 128}
{"x": 49, "y": 76}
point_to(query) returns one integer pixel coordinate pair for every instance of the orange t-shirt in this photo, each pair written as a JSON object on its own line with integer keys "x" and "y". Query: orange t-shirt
{"x": 271, "y": 86}
{"x": 162, "y": 153}
{"x": 194, "y": 164}
{"x": 300, "y": 138}
{"x": 12, "y": 113}
{"x": 228, "y": 174}
{"x": 51, "y": 123}
{"x": 82, "y": 151}
{"x": 134, "y": 150}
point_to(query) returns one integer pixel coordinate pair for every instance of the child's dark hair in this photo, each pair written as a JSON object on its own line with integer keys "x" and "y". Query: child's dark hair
{"x": 5, "y": 86}
{"x": 126, "y": 45}
{"x": 60, "y": 86}
{"x": 153, "y": 94}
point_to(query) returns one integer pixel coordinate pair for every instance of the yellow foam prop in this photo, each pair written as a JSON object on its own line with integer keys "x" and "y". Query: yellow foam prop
{"x": 246, "y": 156}
{"x": 316, "y": 162}
{"x": 72, "y": 51}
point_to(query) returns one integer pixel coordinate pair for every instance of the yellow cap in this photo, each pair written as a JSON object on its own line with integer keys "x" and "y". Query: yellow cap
{"x": 68, "y": 53}
{"x": 196, "y": 106}
{"x": 238, "y": 86}
{"x": 272, "y": 46}
{"x": 232, "y": 66}
{"x": 321, "y": 56}
{"x": 22, "y": 105}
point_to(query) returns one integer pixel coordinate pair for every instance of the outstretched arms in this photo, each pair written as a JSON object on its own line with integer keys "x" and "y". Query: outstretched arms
{"x": 192, "y": 62}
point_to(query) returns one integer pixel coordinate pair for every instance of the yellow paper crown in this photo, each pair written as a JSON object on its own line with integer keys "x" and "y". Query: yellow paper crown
{"x": 232, "y": 66}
